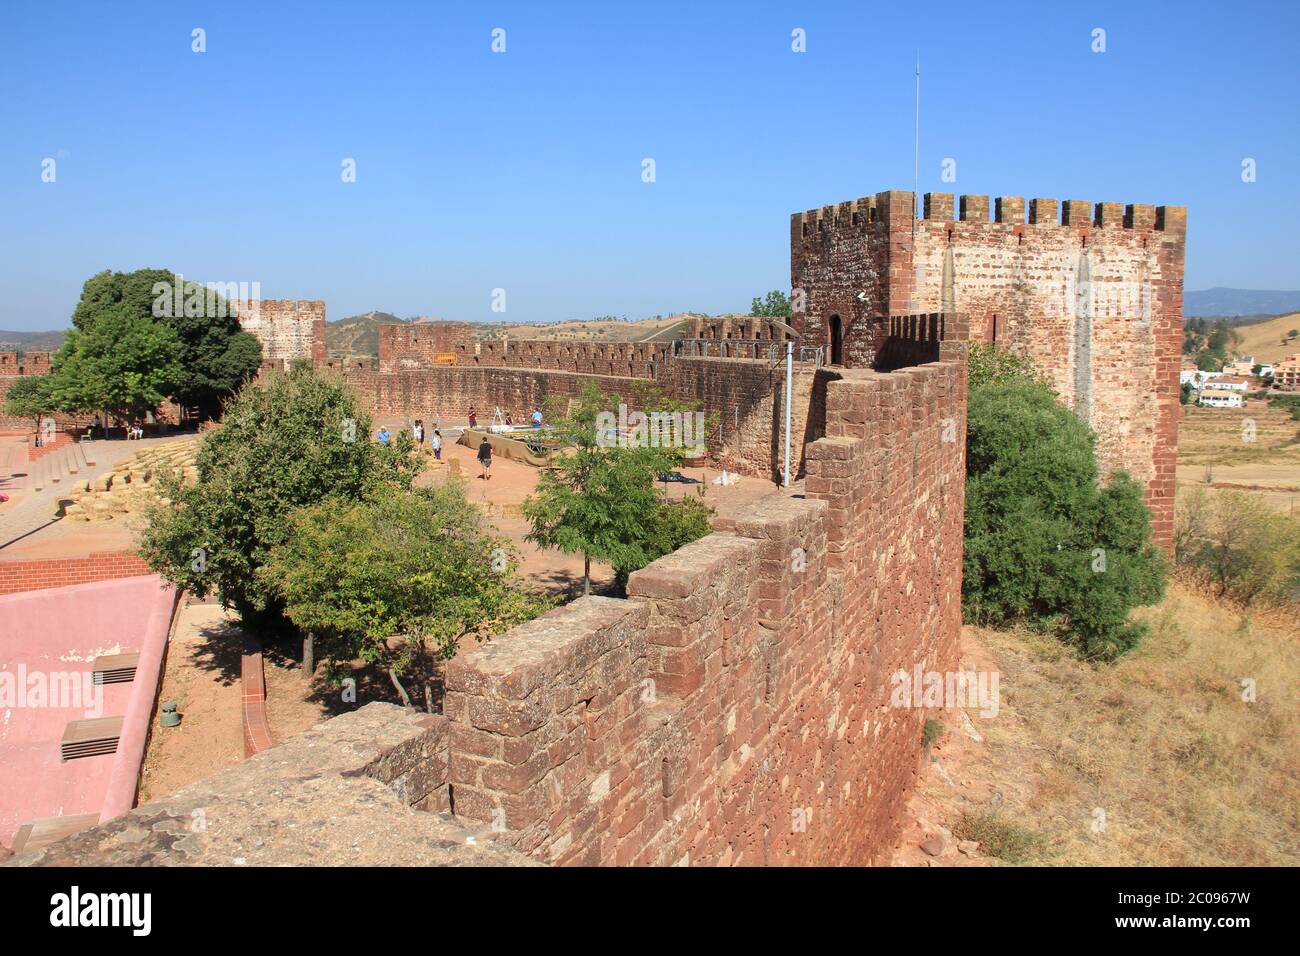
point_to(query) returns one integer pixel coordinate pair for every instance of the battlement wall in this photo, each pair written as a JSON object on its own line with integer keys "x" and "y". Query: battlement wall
{"x": 735, "y": 709}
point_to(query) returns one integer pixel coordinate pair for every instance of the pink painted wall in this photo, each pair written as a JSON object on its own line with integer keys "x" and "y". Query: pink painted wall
{"x": 61, "y": 631}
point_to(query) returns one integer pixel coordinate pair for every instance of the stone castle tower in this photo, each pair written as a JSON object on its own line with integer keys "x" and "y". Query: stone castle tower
{"x": 1092, "y": 295}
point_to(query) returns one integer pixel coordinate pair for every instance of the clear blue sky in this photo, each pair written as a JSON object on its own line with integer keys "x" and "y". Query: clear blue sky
{"x": 522, "y": 170}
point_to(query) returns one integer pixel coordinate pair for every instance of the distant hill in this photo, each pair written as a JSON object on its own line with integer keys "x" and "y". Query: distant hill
{"x": 585, "y": 330}
{"x": 30, "y": 341}
{"x": 1209, "y": 303}
{"x": 1268, "y": 341}
{"x": 357, "y": 336}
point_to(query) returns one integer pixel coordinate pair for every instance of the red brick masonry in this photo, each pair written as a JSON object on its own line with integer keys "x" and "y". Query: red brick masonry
{"x": 55, "y": 573}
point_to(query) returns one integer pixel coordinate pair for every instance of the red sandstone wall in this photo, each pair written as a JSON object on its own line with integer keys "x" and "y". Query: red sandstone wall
{"x": 1093, "y": 297}
{"x": 56, "y": 573}
{"x": 287, "y": 329}
{"x": 418, "y": 345}
{"x": 448, "y": 393}
{"x": 840, "y": 252}
{"x": 748, "y": 398}
{"x": 735, "y": 709}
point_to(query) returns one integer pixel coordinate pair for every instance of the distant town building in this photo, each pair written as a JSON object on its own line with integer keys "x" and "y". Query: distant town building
{"x": 1216, "y": 397}
{"x": 1236, "y": 383}
{"x": 1287, "y": 373}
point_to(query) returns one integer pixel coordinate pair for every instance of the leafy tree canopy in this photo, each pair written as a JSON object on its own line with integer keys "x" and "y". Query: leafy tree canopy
{"x": 124, "y": 363}
{"x": 287, "y": 442}
{"x": 421, "y": 563}
{"x": 601, "y": 500}
{"x": 29, "y": 397}
{"x": 775, "y": 306}
{"x": 216, "y": 357}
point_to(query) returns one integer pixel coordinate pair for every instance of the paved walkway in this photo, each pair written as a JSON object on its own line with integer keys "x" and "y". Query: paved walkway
{"x": 30, "y": 512}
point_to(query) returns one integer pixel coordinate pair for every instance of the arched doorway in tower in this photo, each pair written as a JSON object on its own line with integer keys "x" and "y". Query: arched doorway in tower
{"x": 837, "y": 341}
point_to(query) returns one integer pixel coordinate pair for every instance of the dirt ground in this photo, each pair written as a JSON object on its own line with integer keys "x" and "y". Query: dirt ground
{"x": 203, "y": 677}
{"x": 511, "y": 482}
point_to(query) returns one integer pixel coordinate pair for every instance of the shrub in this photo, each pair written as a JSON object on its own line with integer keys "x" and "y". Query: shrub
{"x": 1000, "y": 839}
{"x": 931, "y": 732}
{"x": 674, "y": 524}
{"x": 1045, "y": 543}
{"x": 290, "y": 441}
{"x": 1245, "y": 549}
{"x": 989, "y": 365}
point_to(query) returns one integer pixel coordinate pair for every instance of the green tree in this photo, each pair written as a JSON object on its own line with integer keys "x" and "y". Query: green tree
{"x": 775, "y": 306}
{"x": 600, "y": 497}
{"x": 1208, "y": 361}
{"x": 289, "y": 441}
{"x": 124, "y": 364}
{"x": 421, "y": 564}
{"x": 216, "y": 356}
{"x": 1219, "y": 339}
{"x": 30, "y": 397}
{"x": 1045, "y": 544}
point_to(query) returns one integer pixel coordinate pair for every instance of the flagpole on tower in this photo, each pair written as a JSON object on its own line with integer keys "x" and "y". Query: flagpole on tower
{"x": 916, "y": 153}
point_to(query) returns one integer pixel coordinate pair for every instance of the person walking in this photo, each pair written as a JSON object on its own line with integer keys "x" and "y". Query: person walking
{"x": 485, "y": 459}
{"x": 473, "y": 418}
{"x": 537, "y": 418}
{"x": 418, "y": 430}
{"x": 436, "y": 444}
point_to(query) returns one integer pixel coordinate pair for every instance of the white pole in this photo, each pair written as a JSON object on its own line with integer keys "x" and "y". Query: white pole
{"x": 789, "y": 380}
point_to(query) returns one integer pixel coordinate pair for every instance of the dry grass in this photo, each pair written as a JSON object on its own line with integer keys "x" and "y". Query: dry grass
{"x": 1265, "y": 340}
{"x": 1184, "y": 770}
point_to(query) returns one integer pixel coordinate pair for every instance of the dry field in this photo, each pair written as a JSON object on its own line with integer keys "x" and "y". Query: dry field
{"x": 1212, "y": 443}
{"x": 1154, "y": 760}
